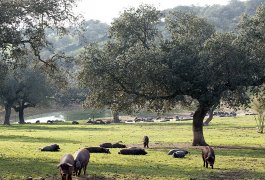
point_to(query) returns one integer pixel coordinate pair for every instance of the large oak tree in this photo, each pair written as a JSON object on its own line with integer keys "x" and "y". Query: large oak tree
{"x": 195, "y": 62}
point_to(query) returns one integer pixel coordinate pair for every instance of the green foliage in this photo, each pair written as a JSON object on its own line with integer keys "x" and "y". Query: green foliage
{"x": 24, "y": 22}
{"x": 195, "y": 62}
{"x": 70, "y": 96}
{"x": 135, "y": 26}
{"x": 235, "y": 142}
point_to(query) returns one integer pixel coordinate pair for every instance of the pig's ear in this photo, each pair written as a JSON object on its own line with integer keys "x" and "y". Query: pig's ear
{"x": 69, "y": 164}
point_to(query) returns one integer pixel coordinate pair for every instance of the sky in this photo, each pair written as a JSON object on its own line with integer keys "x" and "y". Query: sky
{"x": 106, "y": 10}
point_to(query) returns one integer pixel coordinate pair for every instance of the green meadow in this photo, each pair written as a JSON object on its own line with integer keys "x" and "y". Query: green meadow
{"x": 239, "y": 149}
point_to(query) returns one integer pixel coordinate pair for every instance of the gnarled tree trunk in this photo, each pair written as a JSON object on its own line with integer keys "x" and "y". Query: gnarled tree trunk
{"x": 7, "y": 114}
{"x": 197, "y": 126}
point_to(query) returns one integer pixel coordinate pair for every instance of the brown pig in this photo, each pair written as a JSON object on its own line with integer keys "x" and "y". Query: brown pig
{"x": 81, "y": 158}
{"x": 66, "y": 166}
{"x": 208, "y": 156}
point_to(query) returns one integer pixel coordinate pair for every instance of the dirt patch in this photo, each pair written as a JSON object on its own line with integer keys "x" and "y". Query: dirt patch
{"x": 241, "y": 147}
{"x": 163, "y": 145}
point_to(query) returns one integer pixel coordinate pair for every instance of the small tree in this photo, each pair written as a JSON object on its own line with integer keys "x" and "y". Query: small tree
{"x": 35, "y": 91}
{"x": 258, "y": 105}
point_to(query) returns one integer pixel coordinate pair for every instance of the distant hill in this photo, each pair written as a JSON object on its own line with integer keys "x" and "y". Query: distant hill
{"x": 91, "y": 31}
{"x": 223, "y": 17}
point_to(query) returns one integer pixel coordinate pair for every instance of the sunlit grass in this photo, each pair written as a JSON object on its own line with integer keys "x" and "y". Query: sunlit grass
{"x": 240, "y": 150}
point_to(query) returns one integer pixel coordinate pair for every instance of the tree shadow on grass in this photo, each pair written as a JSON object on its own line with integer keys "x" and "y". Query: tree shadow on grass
{"x": 29, "y": 139}
{"x": 244, "y": 152}
{"x": 54, "y": 127}
{"x": 237, "y": 151}
{"x": 20, "y": 168}
{"x": 169, "y": 172}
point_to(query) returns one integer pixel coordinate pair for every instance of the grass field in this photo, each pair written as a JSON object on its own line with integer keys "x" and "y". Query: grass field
{"x": 240, "y": 151}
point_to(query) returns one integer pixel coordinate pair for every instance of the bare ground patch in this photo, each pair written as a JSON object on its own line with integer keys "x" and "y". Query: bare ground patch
{"x": 163, "y": 145}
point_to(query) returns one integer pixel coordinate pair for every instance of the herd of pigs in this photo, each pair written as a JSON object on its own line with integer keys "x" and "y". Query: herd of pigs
{"x": 74, "y": 164}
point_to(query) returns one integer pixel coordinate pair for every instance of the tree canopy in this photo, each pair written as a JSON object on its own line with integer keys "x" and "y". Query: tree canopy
{"x": 23, "y": 24}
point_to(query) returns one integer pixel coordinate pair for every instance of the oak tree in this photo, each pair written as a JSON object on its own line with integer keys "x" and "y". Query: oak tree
{"x": 195, "y": 62}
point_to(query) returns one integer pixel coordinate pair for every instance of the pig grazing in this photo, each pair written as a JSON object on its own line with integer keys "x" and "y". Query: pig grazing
{"x": 53, "y": 147}
{"x": 106, "y": 145}
{"x": 81, "y": 158}
{"x": 208, "y": 156}
{"x": 66, "y": 166}
{"x": 118, "y": 145}
{"x": 98, "y": 150}
{"x": 146, "y": 142}
{"x": 133, "y": 151}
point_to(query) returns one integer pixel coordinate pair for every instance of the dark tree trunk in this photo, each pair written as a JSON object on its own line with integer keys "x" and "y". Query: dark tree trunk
{"x": 7, "y": 114}
{"x": 198, "y": 138}
{"x": 115, "y": 115}
{"x": 21, "y": 115}
{"x": 20, "y": 109}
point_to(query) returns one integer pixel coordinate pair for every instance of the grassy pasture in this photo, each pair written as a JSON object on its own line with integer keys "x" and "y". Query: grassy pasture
{"x": 240, "y": 151}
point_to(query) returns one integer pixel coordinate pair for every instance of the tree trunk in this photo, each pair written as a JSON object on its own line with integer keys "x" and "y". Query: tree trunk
{"x": 21, "y": 115}
{"x": 198, "y": 138}
{"x": 115, "y": 115}
{"x": 7, "y": 114}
